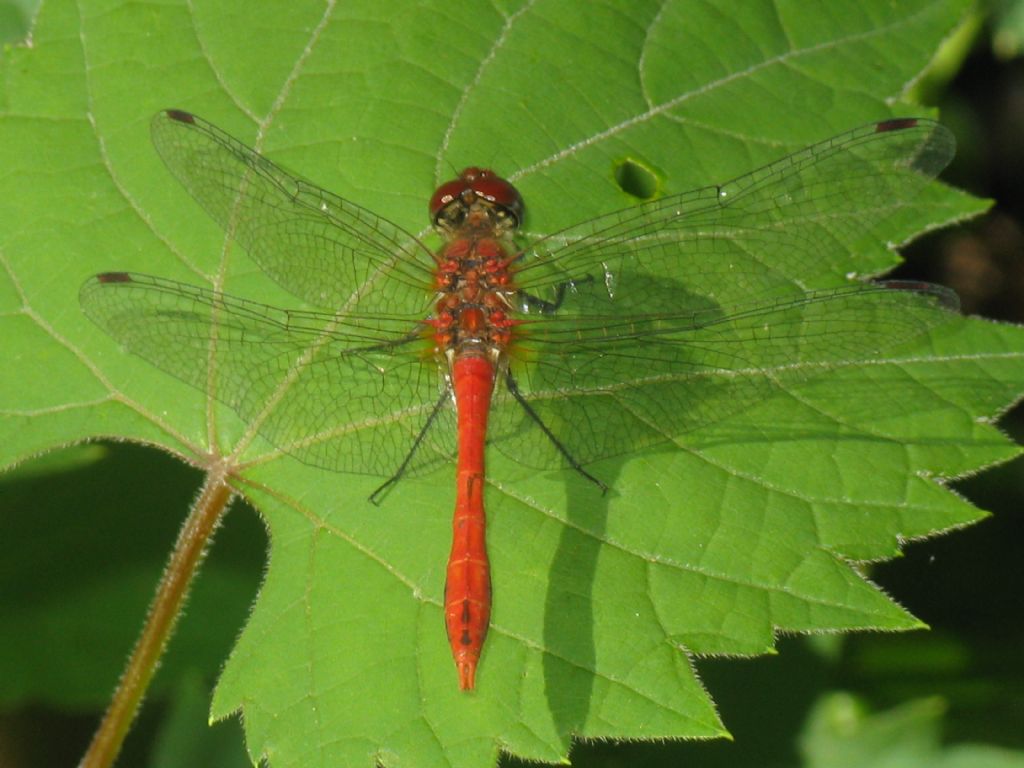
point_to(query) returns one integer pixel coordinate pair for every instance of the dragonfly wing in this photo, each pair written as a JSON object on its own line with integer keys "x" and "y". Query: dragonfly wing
{"x": 747, "y": 237}
{"x": 327, "y": 391}
{"x": 318, "y": 246}
{"x": 606, "y": 385}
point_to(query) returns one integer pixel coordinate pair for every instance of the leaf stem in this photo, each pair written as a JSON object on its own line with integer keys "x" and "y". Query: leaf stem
{"x": 163, "y": 613}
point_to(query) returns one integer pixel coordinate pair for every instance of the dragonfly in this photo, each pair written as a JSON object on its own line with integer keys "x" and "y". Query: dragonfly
{"x": 615, "y": 335}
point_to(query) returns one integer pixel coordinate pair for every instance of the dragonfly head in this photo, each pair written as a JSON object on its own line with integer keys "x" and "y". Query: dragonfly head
{"x": 478, "y": 199}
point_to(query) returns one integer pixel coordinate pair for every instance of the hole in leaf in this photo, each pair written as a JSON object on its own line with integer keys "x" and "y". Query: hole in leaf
{"x": 636, "y": 178}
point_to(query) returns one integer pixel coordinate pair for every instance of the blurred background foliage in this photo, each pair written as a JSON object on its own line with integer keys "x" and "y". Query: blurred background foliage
{"x": 950, "y": 697}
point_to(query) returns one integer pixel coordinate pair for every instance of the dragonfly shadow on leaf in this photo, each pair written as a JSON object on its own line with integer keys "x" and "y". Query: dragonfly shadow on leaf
{"x": 678, "y": 363}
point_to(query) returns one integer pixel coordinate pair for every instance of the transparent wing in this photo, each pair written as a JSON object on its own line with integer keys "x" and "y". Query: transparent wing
{"x": 317, "y": 386}
{"x": 748, "y": 237}
{"x": 316, "y": 245}
{"x": 638, "y": 326}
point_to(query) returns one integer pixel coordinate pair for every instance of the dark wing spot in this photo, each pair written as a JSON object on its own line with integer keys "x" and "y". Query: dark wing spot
{"x": 180, "y": 115}
{"x": 113, "y": 277}
{"x": 897, "y": 124}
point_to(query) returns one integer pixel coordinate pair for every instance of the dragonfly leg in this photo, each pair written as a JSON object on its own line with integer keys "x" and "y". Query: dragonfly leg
{"x": 513, "y": 388}
{"x": 550, "y": 307}
{"x": 375, "y": 497}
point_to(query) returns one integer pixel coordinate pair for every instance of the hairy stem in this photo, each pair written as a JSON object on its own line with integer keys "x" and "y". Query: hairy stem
{"x": 163, "y": 614}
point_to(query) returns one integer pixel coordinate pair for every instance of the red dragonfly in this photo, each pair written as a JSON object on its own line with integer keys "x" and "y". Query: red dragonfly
{"x": 617, "y": 334}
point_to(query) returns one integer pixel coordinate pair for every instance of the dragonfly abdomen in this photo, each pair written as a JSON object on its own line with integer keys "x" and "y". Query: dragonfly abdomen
{"x": 467, "y": 593}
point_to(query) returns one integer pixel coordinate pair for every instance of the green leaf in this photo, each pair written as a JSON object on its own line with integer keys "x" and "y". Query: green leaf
{"x": 749, "y": 529}
{"x": 840, "y": 733}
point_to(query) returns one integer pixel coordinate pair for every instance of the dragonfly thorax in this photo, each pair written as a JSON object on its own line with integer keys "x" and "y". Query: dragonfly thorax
{"x": 475, "y": 288}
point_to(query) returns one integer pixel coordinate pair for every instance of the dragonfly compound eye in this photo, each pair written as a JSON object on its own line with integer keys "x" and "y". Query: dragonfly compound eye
{"x": 475, "y": 184}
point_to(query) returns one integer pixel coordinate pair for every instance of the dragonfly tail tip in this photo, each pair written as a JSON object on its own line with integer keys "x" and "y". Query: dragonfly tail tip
{"x": 467, "y": 675}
